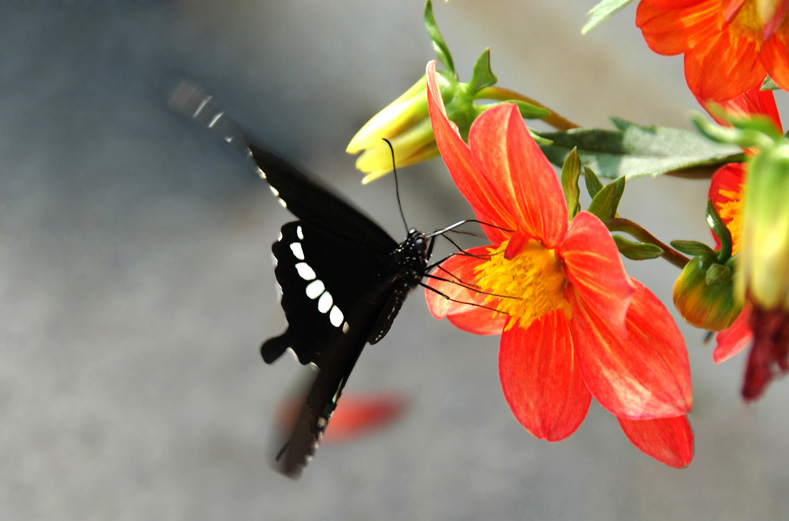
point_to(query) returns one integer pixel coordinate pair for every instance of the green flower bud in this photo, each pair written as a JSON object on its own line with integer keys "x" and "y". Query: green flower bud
{"x": 704, "y": 294}
{"x": 765, "y": 233}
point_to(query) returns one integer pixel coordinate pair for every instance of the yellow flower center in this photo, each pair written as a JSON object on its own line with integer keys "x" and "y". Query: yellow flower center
{"x": 525, "y": 287}
{"x": 752, "y": 17}
{"x": 731, "y": 212}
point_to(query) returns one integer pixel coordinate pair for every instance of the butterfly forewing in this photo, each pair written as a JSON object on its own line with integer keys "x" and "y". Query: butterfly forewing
{"x": 315, "y": 204}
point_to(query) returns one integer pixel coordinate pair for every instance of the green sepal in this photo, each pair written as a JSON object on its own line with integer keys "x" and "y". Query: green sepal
{"x": 606, "y": 202}
{"x": 482, "y": 76}
{"x": 637, "y": 250}
{"x": 637, "y": 150}
{"x": 718, "y": 274}
{"x": 593, "y": 184}
{"x": 694, "y": 249}
{"x": 601, "y": 12}
{"x": 439, "y": 45}
{"x": 745, "y": 135}
{"x": 758, "y": 123}
{"x": 527, "y": 110}
{"x": 720, "y": 229}
{"x": 571, "y": 171}
{"x": 769, "y": 84}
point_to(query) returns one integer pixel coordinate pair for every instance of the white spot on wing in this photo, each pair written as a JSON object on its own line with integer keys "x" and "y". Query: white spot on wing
{"x": 299, "y": 233}
{"x": 325, "y": 302}
{"x": 202, "y": 104}
{"x": 298, "y": 252}
{"x": 315, "y": 289}
{"x": 345, "y": 327}
{"x": 336, "y": 317}
{"x": 273, "y": 190}
{"x": 283, "y": 203}
{"x": 216, "y": 118}
{"x": 260, "y": 171}
{"x": 305, "y": 272}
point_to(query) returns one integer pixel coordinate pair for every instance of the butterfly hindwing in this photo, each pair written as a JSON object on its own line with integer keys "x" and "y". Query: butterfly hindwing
{"x": 323, "y": 281}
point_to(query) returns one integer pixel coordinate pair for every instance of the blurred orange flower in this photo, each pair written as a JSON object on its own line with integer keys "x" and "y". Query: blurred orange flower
{"x": 729, "y": 45}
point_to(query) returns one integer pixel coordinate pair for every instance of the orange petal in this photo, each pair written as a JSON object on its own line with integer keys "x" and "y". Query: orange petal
{"x": 774, "y": 57}
{"x": 752, "y": 101}
{"x": 595, "y": 270}
{"x": 540, "y": 378}
{"x": 671, "y": 28}
{"x": 456, "y": 269}
{"x": 733, "y": 339}
{"x": 727, "y": 180}
{"x": 643, "y": 376}
{"x": 668, "y": 440}
{"x": 723, "y": 67}
{"x": 480, "y": 321}
{"x": 543, "y": 210}
{"x": 471, "y": 318}
{"x": 462, "y": 166}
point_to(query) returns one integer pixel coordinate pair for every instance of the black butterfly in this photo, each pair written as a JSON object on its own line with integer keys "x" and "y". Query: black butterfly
{"x": 343, "y": 278}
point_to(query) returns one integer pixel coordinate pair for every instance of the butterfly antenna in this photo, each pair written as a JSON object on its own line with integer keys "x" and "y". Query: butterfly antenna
{"x": 397, "y": 185}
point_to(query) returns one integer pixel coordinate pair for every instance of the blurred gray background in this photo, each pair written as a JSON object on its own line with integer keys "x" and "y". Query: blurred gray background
{"x": 136, "y": 282}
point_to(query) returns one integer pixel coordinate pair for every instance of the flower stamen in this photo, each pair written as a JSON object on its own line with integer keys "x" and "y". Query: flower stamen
{"x": 533, "y": 279}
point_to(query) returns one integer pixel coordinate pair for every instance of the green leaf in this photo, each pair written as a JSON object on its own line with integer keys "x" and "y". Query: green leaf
{"x": 482, "y": 76}
{"x": 636, "y": 150}
{"x": 439, "y": 45}
{"x": 602, "y": 12}
{"x": 593, "y": 184}
{"x": 718, "y": 274}
{"x": 605, "y": 203}
{"x": 693, "y": 248}
{"x": 571, "y": 170}
{"x": 637, "y": 250}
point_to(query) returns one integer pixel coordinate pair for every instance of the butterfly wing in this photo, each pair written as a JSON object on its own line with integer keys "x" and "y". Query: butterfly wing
{"x": 333, "y": 294}
{"x": 335, "y": 272}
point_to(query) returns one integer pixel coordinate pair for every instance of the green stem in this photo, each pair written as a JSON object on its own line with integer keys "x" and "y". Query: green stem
{"x": 500, "y": 94}
{"x": 617, "y": 224}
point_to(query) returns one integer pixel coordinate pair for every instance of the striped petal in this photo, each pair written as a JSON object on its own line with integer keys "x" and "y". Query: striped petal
{"x": 643, "y": 376}
{"x": 723, "y": 67}
{"x": 595, "y": 270}
{"x": 543, "y": 210}
{"x": 540, "y": 378}
{"x": 671, "y": 28}
{"x": 774, "y": 56}
{"x": 463, "y": 168}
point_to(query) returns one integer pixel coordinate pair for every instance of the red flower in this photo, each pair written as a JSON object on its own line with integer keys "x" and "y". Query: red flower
{"x": 572, "y": 324}
{"x": 729, "y": 45}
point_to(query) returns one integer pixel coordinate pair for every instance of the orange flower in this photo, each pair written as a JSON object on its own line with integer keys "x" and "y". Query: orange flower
{"x": 573, "y": 325}
{"x": 726, "y": 193}
{"x": 729, "y": 45}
